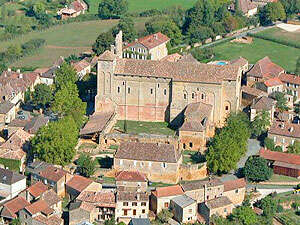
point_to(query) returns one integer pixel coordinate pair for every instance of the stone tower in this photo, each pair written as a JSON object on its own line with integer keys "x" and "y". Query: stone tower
{"x": 119, "y": 44}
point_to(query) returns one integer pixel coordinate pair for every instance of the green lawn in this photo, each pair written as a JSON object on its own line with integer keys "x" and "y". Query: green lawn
{"x": 142, "y": 5}
{"x": 281, "y": 178}
{"x": 64, "y": 40}
{"x": 288, "y": 217}
{"x": 137, "y": 127}
{"x": 281, "y": 54}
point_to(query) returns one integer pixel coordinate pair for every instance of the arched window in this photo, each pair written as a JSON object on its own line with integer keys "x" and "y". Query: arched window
{"x": 118, "y": 89}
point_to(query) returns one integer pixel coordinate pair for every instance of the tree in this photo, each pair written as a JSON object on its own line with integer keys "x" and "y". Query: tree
{"x": 111, "y": 221}
{"x": 230, "y": 23}
{"x": 166, "y": 26}
{"x": 164, "y": 215}
{"x": 56, "y": 142}
{"x": 86, "y": 165}
{"x": 109, "y": 9}
{"x": 256, "y": 169}
{"x": 103, "y": 42}
{"x": 245, "y": 215}
{"x": 208, "y": 13}
{"x": 271, "y": 12}
{"x": 269, "y": 206}
{"x": 42, "y": 95}
{"x": 199, "y": 34}
{"x": 297, "y": 71}
{"x": 202, "y": 53}
{"x": 269, "y": 143}
{"x": 195, "y": 14}
{"x": 126, "y": 24}
{"x": 281, "y": 101}
{"x": 291, "y": 6}
{"x": 15, "y": 221}
{"x": 261, "y": 123}
{"x": 294, "y": 148}
{"x": 229, "y": 144}
{"x": 65, "y": 75}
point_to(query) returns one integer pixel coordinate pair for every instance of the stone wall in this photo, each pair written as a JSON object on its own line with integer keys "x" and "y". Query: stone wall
{"x": 236, "y": 196}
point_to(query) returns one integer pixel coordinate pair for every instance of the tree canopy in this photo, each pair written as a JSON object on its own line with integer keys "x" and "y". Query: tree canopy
{"x": 42, "y": 95}
{"x": 294, "y": 148}
{"x": 281, "y": 101}
{"x": 271, "y": 12}
{"x": 86, "y": 165}
{"x": 261, "y": 123}
{"x": 56, "y": 142}
{"x": 245, "y": 215}
{"x": 256, "y": 169}
{"x": 126, "y": 24}
{"x": 109, "y": 9}
{"x": 103, "y": 42}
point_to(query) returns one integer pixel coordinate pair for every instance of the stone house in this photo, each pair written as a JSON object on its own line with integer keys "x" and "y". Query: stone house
{"x": 14, "y": 150}
{"x": 262, "y": 104}
{"x": 97, "y": 206}
{"x": 139, "y": 221}
{"x": 7, "y": 113}
{"x": 11, "y": 209}
{"x": 235, "y": 190}
{"x": 11, "y": 184}
{"x": 34, "y": 192}
{"x": 158, "y": 161}
{"x": 184, "y": 209}
{"x": 197, "y": 127}
{"x": 150, "y": 90}
{"x": 263, "y": 69}
{"x": 203, "y": 190}
{"x": 34, "y": 168}
{"x": 78, "y": 184}
{"x": 82, "y": 68}
{"x": 161, "y": 197}
{"x": 153, "y": 46}
{"x": 291, "y": 84}
{"x": 131, "y": 181}
{"x": 284, "y": 133}
{"x": 271, "y": 85}
{"x": 75, "y": 9}
{"x": 131, "y": 205}
{"x": 220, "y": 206}
{"x": 36, "y": 123}
{"x": 242, "y": 63}
{"x": 47, "y": 75}
{"x": 81, "y": 213}
{"x": 248, "y": 7}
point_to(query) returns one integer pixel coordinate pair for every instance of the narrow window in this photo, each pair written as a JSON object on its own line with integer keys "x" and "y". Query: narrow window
{"x": 184, "y": 146}
{"x": 151, "y": 91}
{"x": 193, "y": 95}
{"x": 202, "y": 96}
{"x": 118, "y": 89}
{"x": 184, "y": 95}
{"x": 226, "y": 107}
{"x": 191, "y": 144}
{"x": 134, "y": 212}
{"x": 157, "y": 85}
{"x": 165, "y": 92}
{"x": 128, "y": 90}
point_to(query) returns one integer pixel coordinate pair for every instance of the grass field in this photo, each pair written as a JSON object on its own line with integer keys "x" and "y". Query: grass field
{"x": 64, "y": 40}
{"x": 137, "y": 127}
{"x": 142, "y": 5}
{"x": 281, "y": 178}
{"x": 282, "y": 55}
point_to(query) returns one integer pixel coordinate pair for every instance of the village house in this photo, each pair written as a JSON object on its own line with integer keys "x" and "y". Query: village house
{"x": 161, "y": 162}
{"x": 81, "y": 213}
{"x": 235, "y": 190}
{"x": 78, "y": 184}
{"x": 15, "y": 125}
{"x": 262, "y": 104}
{"x": 14, "y": 150}
{"x": 271, "y": 85}
{"x": 284, "y": 133}
{"x": 184, "y": 209}
{"x": 161, "y": 197}
{"x": 11, "y": 184}
{"x": 131, "y": 204}
{"x": 34, "y": 168}
{"x": 220, "y": 206}
{"x": 197, "y": 126}
{"x": 203, "y": 190}
{"x": 34, "y": 192}
{"x": 11, "y": 209}
{"x": 242, "y": 63}
{"x": 103, "y": 204}
{"x": 47, "y": 75}
{"x": 150, "y": 90}
{"x": 251, "y": 93}
{"x": 131, "y": 181}
{"x": 263, "y": 70}
{"x": 139, "y": 221}
{"x": 82, "y": 68}
{"x": 153, "y": 47}
{"x": 291, "y": 84}
{"x": 75, "y": 9}
{"x": 248, "y": 7}
{"x": 283, "y": 163}
{"x": 7, "y": 113}
{"x": 36, "y": 123}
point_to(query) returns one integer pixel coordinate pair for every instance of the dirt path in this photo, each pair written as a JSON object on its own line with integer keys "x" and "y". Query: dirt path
{"x": 67, "y": 47}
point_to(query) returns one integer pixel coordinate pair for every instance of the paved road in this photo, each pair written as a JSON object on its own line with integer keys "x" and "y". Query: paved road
{"x": 253, "y": 31}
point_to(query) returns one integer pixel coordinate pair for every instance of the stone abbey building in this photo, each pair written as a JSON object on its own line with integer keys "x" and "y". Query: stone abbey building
{"x": 148, "y": 90}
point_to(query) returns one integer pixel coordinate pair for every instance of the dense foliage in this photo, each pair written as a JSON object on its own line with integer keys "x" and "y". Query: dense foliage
{"x": 86, "y": 165}
{"x": 229, "y": 144}
{"x": 256, "y": 169}
{"x": 294, "y": 148}
{"x": 112, "y": 8}
{"x": 103, "y": 42}
{"x": 271, "y": 12}
{"x": 261, "y": 123}
{"x": 42, "y": 95}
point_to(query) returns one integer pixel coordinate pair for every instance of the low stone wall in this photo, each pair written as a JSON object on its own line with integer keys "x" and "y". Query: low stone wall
{"x": 193, "y": 172}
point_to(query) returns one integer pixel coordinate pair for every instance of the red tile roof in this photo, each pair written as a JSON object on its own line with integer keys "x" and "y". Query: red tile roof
{"x": 234, "y": 184}
{"x": 37, "y": 189}
{"x": 172, "y": 58}
{"x": 39, "y": 206}
{"x": 131, "y": 176}
{"x": 280, "y": 156}
{"x": 53, "y": 173}
{"x": 285, "y": 129}
{"x": 151, "y": 41}
{"x": 265, "y": 68}
{"x": 78, "y": 5}
{"x": 290, "y": 78}
{"x": 79, "y": 183}
{"x": 101, "y": 198}
{"x": 13, "y": 206}
{"x": 168, "y": 191}
{"x": 52, "y": 220}
{"x": 273, "y": 82}
{"x": 81, "y": 65}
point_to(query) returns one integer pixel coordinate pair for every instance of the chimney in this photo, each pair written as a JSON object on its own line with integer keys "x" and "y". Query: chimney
{"x": 155, "y": 36}
{"x": 136, "y": 40}
{"x": 9, "y": 69}
{"x": 119, "y": 44}
{"x": 291, "y": 129}
{"x": 18, "y": 71}
{"x": 21, "y": 76}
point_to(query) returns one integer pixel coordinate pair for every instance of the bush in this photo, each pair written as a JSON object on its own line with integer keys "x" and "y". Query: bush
{"x": 11, "y": 164}
{"x": 202, "y": 54}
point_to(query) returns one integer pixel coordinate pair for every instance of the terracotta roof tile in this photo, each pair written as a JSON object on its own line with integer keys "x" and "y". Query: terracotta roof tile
{"x": 107, "y": 56}
{"x": 263, "y": 103}
{"x": 151, "y": 41}
{"x": 131, "y": 176}
{"x": 195, "y": 185}
{"x": 265, "y": 68}
{"x": 234, "y": 184}
{"x": 239, "y": 61}
{"x": 37, "y": 189}
{"x": 290, "y": 78}
{"x": 79, "y": 183}
{"x": 285, "y": 129}
{"x": 13, "y": 206}
{"x": 273, "y": 82}
{"x": 218, "y": 202}
{"x": 53, "y": 173}
{"x": 102, "y": 198}
{"x": 81, "y": 65}
{"x": 39, "y": 206}
{"x": 148, "y": 152}
{"x": 50, "y": 197}
{"x": 168, "y": 191}
{"x": 52, "y": 220}
{"x": 253, "y": 91}
{"x": 172, "y": 58}
{"x": 97, "y": 122}
{"x": 280, "y": 156}
{"x": 132, "y": 196}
